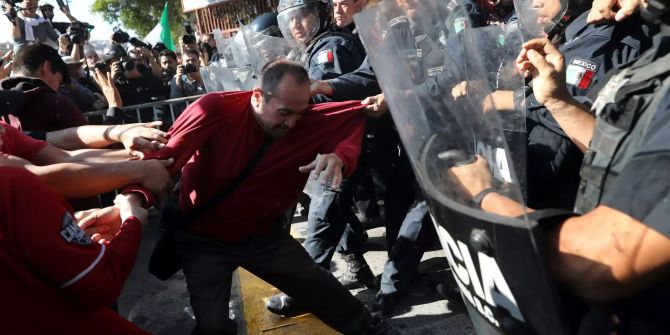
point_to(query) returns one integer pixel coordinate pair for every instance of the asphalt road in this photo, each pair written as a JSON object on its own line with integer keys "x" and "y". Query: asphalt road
{"x": 163, "y": 307}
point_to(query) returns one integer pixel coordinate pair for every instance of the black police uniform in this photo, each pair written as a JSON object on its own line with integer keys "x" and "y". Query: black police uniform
{"x": 357, "y": 85}
{"x": 627, "y": 167}
{"x": 351, "y": 29}
{"x": 332, "y": 54}
{"x": 590, "y": 51}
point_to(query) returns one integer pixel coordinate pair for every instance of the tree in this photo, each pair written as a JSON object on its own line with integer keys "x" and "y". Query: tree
{"x": 141, "y": 15}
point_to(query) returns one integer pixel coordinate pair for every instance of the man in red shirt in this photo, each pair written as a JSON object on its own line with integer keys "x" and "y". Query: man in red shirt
{"x": 213, "y": 140}
{"x": 55, "y": 278}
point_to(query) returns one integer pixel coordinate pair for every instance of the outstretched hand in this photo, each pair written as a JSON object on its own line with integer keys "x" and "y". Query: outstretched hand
{"x": 106, "y": 82}
{"x": 375, "y": 106}
{"x": 317, "y": 87}
{"x": 102, "y": 224}
{"x": 140, "y": 138}
{"x": 325, "y": 168}
{"x": 541, "y": 60}
{"x": 607, "y": 10}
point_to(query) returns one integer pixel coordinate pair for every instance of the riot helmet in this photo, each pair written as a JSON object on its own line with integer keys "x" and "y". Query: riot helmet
{"x": 266, "y": 24}
{"x": 302, "y": 20}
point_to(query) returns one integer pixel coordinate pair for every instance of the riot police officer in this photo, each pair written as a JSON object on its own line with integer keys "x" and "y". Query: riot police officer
{"x": 590, "y": 52}
{"x": 329, "y": 54}
{"x": 615, "y": 251}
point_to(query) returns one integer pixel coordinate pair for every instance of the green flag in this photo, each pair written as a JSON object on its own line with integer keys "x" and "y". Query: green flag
{"x": 166, "y": 35}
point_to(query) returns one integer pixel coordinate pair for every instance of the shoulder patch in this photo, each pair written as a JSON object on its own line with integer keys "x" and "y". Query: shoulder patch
{"x": 580, "y": 73}
{"x": 70, "y": 231}
{"x": 325, "y": 56}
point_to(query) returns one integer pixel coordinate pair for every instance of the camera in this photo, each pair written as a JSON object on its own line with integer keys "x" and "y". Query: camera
{"x": 119, "y": 36}
{"x": 10, "y": 12}
{"x": 139, "y": 44}
{"x": 128, "y": 64}
{"x": 102, "y": 66}
{"x": 189, "y": 68}
{"x": 78, "y": 32}
{"x": 188, "y": 39}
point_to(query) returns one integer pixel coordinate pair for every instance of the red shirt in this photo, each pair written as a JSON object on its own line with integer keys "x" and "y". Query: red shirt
{"x": 18, "y": 144}
{"x": 55, "y": 280}
{"x": 216, "y": 137}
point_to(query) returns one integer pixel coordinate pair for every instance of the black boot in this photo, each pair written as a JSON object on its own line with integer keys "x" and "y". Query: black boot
{"x": 282, "y": 304}
{"x": 384, "y": 304}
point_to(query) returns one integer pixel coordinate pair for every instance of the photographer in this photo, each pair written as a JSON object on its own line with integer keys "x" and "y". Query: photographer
{"x": 135, "y": 82}
{"x": 188, "y": 81}
{"x": 28, "y": 27}
{"x": 168, "y": 62}
{"x": 189, "y": 42}
{"x": 78, "y": 89}
{"x": 48, "y": 13}
{"x": 142, "y": 54}
{"x": 208, "y": 45}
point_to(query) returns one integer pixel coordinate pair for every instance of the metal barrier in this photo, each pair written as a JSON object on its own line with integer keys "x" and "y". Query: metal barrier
{"x": 158, "y": 108}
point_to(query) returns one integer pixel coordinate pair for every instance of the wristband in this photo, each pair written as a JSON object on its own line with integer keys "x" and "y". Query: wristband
{"x": 477, "y": 199}
{"x": 105, "y": 135}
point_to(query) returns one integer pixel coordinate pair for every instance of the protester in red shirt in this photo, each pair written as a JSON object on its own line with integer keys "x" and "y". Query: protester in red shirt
{"x": 213, "y": 140}
{"x": 55, "y": 278}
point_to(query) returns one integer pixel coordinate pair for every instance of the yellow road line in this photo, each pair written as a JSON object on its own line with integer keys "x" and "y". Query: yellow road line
{"x": 254, "y": 292}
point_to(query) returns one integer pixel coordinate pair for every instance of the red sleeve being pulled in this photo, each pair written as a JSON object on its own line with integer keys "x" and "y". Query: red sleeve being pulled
{"x": 18, "y": 144}
{"x": 347, "y": 125}
{"x": 193, "y": 127}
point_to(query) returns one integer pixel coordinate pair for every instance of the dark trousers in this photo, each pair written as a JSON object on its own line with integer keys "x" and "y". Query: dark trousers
{"x": 331, "y": 220}
{"x": 277, "y": 258}
{"x": 417, "y": 233}
{"x": 329, "y": 217}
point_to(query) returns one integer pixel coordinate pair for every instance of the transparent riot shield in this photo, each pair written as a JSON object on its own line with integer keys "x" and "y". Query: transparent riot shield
{"x": 233, "y": 72}
{"x": 233, "y": 51}
{"x": 218, "y": 78}
{"x": 265, "y": 48}
{"x": 447, "y": 117}
{"x": 538, "y": 18}
{"x": 493, "y": 50}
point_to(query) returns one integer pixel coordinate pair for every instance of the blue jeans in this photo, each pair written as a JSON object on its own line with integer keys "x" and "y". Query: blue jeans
{"x": 417, "y": 233}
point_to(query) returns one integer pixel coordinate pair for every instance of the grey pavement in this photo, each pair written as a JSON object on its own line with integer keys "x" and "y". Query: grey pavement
{"x": 163, "y": 308}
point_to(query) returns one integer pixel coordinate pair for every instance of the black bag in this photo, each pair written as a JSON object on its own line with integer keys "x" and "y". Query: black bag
{"x": 165, "y": 261}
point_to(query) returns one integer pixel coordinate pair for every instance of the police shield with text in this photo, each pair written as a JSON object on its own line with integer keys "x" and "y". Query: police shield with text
{"x": 446, "y": 117}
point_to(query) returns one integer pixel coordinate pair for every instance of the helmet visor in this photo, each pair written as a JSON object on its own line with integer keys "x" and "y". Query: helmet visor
{"x": 300, "y": 23}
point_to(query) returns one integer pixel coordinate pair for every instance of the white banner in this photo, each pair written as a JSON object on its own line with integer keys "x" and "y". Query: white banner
{"x": 191, "y": 5}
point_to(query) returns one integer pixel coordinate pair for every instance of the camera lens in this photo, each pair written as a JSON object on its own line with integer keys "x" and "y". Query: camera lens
{"x": 128, "y": 65}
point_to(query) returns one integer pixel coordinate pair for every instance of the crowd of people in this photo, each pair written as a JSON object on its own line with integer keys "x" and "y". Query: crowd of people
{"x": 230, "y": 170}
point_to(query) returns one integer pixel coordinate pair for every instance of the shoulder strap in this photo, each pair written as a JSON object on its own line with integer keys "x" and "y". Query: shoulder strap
{"x": 216, "y": 200}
